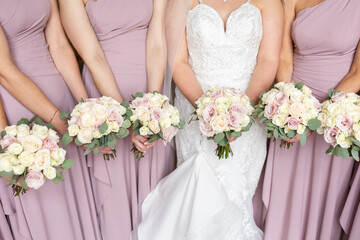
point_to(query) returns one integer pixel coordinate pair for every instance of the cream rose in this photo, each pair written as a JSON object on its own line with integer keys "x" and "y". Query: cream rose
{"x": 26, "y": 158}
{"x": 165, "y": 123}
{"x": 142, "y": 113}
{"x": 343, "y": 141}
{"x": 334, "y": 109}
{"x": 156, "y": 100}
{"x": 42, "y": 159}
{"x": 11, "y": 130}
{"x": 330, "y": 121}
{"x": 88, "y": 119}
{"x": 284, "y": 109}
{"x": 154, "y": 126}
{"x": 5, "y": 164}
{"x": 113, "y": 126}
{"x": 53, "y": 135}
{"x": 357, "y": 135}
{"x": 15, "y": 148}
{"x": 296, "y": 96}
{"x": 97, "y": 134}
{"x": 219, "y": 123}
{"x": 297, "y": 109}
{"x": 301, "y": 129}
{"x": 50, "y": 173}
{"x": 306, "y": 90}
{"x": 100, "y": 112}
{"x": 279, "y": 120}
{"x": 32, "y": 143}
{"x": 85, "y": 135}
{"x": 175, "y": 119}
{"x": 73, "y": 130}
{"x": 58, "y": 155}
{"x": 40, "y": 131}
{"x": 23, "y": 130}
{"x": 144, "y": 131}
{"x": 269, "y": 97}
{"x": 19, "y": 169}
{"x": 84, "y": 107}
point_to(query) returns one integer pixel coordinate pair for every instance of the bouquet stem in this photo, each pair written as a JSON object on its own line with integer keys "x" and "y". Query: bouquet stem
{"x": 224, "y": 151}
{"x": 285, "y": 144}
{"x": 17, "y": 190}
{"x": 139, "y": 155}
{"x": 107, "y": 156}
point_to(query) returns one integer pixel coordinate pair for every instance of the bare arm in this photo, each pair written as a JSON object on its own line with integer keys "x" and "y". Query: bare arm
{"x": 183, "y": 75}
{"x": 269, "y": 51}
{"x": 155, "y": 48}
{"x": 83, "y": 37}
{"x": 25, "y": 90}
{"x": 62, "y": 53}
{"x": 351, "y": 82}
{"x": 3, "y": 121}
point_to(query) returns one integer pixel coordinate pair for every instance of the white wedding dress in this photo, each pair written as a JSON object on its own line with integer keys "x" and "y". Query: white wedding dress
{"x": 206, "y": 198}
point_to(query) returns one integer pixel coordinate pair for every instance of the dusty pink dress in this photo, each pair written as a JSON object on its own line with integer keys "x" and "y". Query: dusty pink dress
{"x": 304, "y": 190}
{"x": 121, "y": 185}
{"x": 55, "y": 211}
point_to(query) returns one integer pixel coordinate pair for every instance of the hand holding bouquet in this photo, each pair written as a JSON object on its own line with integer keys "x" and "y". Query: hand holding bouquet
{"x": 30, "y": 153}
{"x": 288, "y": 109}
{"x": 154, "y": 117}
{"x": 96, "y": 123}
{"x": 340, "y": 124}
{"x": 223, "y": 113}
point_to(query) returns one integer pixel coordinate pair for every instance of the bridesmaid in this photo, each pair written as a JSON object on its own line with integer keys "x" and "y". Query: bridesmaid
{"x": 33, "y": 53}
{"x": 304, "y": 189}
{"x": 122, "y": 45}
{"x": 5, "y": 231}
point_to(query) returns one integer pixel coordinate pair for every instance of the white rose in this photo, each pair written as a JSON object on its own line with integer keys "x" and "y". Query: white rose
{"x": 234, "y": 99}
{"x": 114, "y": 126}
{"x": 156, "y": 100}
{"x": 343, "y": 141}
{"x": 270, "y": 96}
{"x": 356, "y": 127}
{"x": 279, "y": 85}
{"x": 85, "y": 135}
{"x": 322, "y": 118}
{"x": 245, "y": 120}
{"x": 23, "y": 130}
{"x": 221, "y": 108}
{"x": 330, "y": 121}
{"x": 206, "y": 100}
{"x": 308, "y": 103}
{"x": 301, "y": 129}
{"x": 73, "y": 130}
{"x": 53, "y": 135}
{"x": 88, "y": 119}
{"x": 334, "y": 109}
{"x": 305, "y": 118}
{"x": 122, "y": 110}
{"x": 165, "y": 123}
{"x": 5, "y": 164}
{"x": 11, "y": 130}
{"x": 40, "y": 131}
{"x": 287, "y": 129}
{"x": 320, "y": 130}
{"x": 154, "y": 126}
{"x": 142, "y": 113}
{"x": 306, "y": 90}
{"x": 219, "y": 123}
{"x": 284, "y": 109}
{"x": 58, "y": 156}
{"x": 352, "y": 97}
{"x": 297, "y": 109}
{"x": 145, "y": 123}
{"x": 15, "y": 148}
{"x": 26, "y": 158}
{"x": 296, "y": 96}
{"x": 144, "y": 131}
{"x": 19, "y": 169}
{"x": 42, "y": 159}
{"x": 97, "y": 134}
{"x": 32, "y": 143}
{"x": 100, "y": 112}
{"x": 50, "y": 173}
{"x": 175, "y": 119}
{"x": 13, "y": 159}
{"x": 133, "y": 118}
{"x": 357, "y": 135}
{"x": 279, "y": 120}
{"x": 84, "y": 107}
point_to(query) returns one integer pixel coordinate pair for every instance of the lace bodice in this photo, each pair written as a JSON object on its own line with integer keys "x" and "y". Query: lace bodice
{"x": 224, "y": 56}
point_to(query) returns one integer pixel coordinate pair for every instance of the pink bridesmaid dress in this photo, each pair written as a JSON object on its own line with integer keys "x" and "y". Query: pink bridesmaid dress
{"x": 304, "y": 190}
{"x": 120, "y": 185}
{"x": 5, "y": 231}
{"x": 55, "y": 211}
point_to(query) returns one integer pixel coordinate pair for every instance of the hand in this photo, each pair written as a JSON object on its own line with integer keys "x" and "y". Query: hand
{"x": 297, "y": 137}
{"x": 141, "y": 142}
{"x": 231, "y": 139}
{"x": 17, "y": 183}
{"x": 105, "y": 150}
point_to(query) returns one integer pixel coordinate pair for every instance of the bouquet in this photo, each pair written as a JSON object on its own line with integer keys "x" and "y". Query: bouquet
{"x": 340, "y": 124}
{"x": 96, "y": 123}
{"x": 223, "y": 112}
{"x": 154, "y": 116}
{"x": 30, "y": 153}
{"x": 288, "y": 109}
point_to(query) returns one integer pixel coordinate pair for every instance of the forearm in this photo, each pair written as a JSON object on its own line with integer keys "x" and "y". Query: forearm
{"x": 350, "y": 83}
{"x": 3, "y": 121}
{"x": 285, "y": 71}
{"x": 155, "y": 67}
{"x": 186, "y": 81}
{"x": 262, "y": 79}
{"x": 65, "y": 61}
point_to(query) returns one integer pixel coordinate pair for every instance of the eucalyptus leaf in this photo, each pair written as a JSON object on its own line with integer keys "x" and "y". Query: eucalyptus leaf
{"x": 303, "y": 139}
{"x": 50, "y": 126}
{"x": 125, "y": 104}
{"x": 139, "y": 95}
{"x": 344, "y": 153}
{"x": 355, "y": 153}
{"x": 331, "y": 92}
{"x": 77, "y": 142}
{"x": 23, "y": 184}
{"x": 126, "y": 124}
{"x": 136, "y": 124}
{"x": 276, "y": 133}
{"x": 103, "y": 128}
{"x": 299, "y": 85}
{"x": 23, "y": 121}
{"x": 314, "y": 124}
{"x": 88, "y": 150}
{"x": 223, "y": 142}
{"x": 263, "y": 120}
{"x": 291, "y": 134}
{"x": 66, "y": 139}
{"x": 219, "y": 137}
{"x": 67, "y": 164}
{"x": 236, "y": 134}
{"x": 354, "y": 140}
{"x": 64, "y": 115}
{"x": 56, "y": 180}
{"x": 96, "y": 151}
{"x": 3, "y": 134}
{"x": 5, "y": 174}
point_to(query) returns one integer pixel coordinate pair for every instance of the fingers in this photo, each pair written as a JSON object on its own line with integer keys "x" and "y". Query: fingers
{"x": 140, "y": 142}
{"x": 231, "y": 139}
{"x": 105, "y": 150}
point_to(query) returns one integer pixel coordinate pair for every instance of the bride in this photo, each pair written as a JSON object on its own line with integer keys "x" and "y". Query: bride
{"x": 229, "y": 44}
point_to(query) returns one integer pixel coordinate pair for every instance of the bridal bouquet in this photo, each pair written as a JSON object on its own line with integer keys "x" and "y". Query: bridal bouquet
{"x": 222, "y": 113}
{"x": 30, "y": 153}
{"x": 154, "y": 116}
{"x": 288, "y": 109}
{"x": 340, "y": 124}
{"x": 96, "y": 123}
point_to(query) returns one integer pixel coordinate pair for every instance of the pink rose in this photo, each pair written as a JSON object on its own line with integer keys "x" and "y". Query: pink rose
{"x": 169, "y": 133}
{"x": 339, "y": 96}
{"x": 216, "y": 94}
{"x": 293, "y": 123}
{"x": 156, "y": 113}
{"x": 205, "y": 128}
{"x": 140, "y": 101}
{"x": 34, "y": 179}
{"x": 238, "y": 93}
{"x": 234, "y": 119}
{"x": 50, "y": 144}
{"x": 7, "y": 141}
{"x": 97, "y": 125}
{"x": 209, "y": 112}
{"x": 166, "y": 104}
{"x": 238, "y": 108}
{"x": 344, "y": 123}
{"x": 270, "y": 110}
{"x": 281, "y": 98}
{"x": 76, "y": 121}
{"x": 330, "y": 135}
{"x": 113, "y": 113}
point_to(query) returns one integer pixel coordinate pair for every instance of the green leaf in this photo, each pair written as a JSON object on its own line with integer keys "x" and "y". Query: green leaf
{"x": 23, "y": 121}
{"x": 112, "y": 142}
{"x": 356, "y": 142}
{"x": 67, "y": 164}
{"x": 128, "y": 113}
{"x": 263, "y": 120}
{"x": 236, "y": 134}
{"x": 262, "y": 94}
{"x": 24, "y": 184}
{"x": 64, "y": 115}
{"x": 276, "y": 133}
{"x": 355, "y": 153}
{"x": 336, "y": 151}
{"x": 3, "y": 134}
{"x": 96, "y": 151}
{"x": 182, "y": 123}
{"x": 291, "y": 134}
{"x": 103, "y": 128}
{"x": 66, "y": 139}
{"x": 139, "y": 94}
{"x": 330, "y": 150}
{"x": 136, "y": 124}
{"x": 303, "y": 139}
{"x": 154, "y": 138}
{"x": 137, "y": 131}
{"x": 299, "y": 85}
{"x": 314, "y": 124}
{"x": 5, "y": 174}
{"x": 88, "y": 150}
{"x": 247, "y": 128}
{"x": 219, "y": 137}
{"x": 252, "y": 103}
{"x": 344, "y": 153}
{"x": 223, "y": 142}
{"x": 56, "y": 180}
{"x": 269, "y": 135}
{"x": 50, "y": 126}
{"x": 77, "y": 142}
{"x": 331, "y": 92}
{"x": 38, "y": 121}
{"x": 126, "y": 124}
{"x": 125, "y": 104}
{"x": 261, "y": 114}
